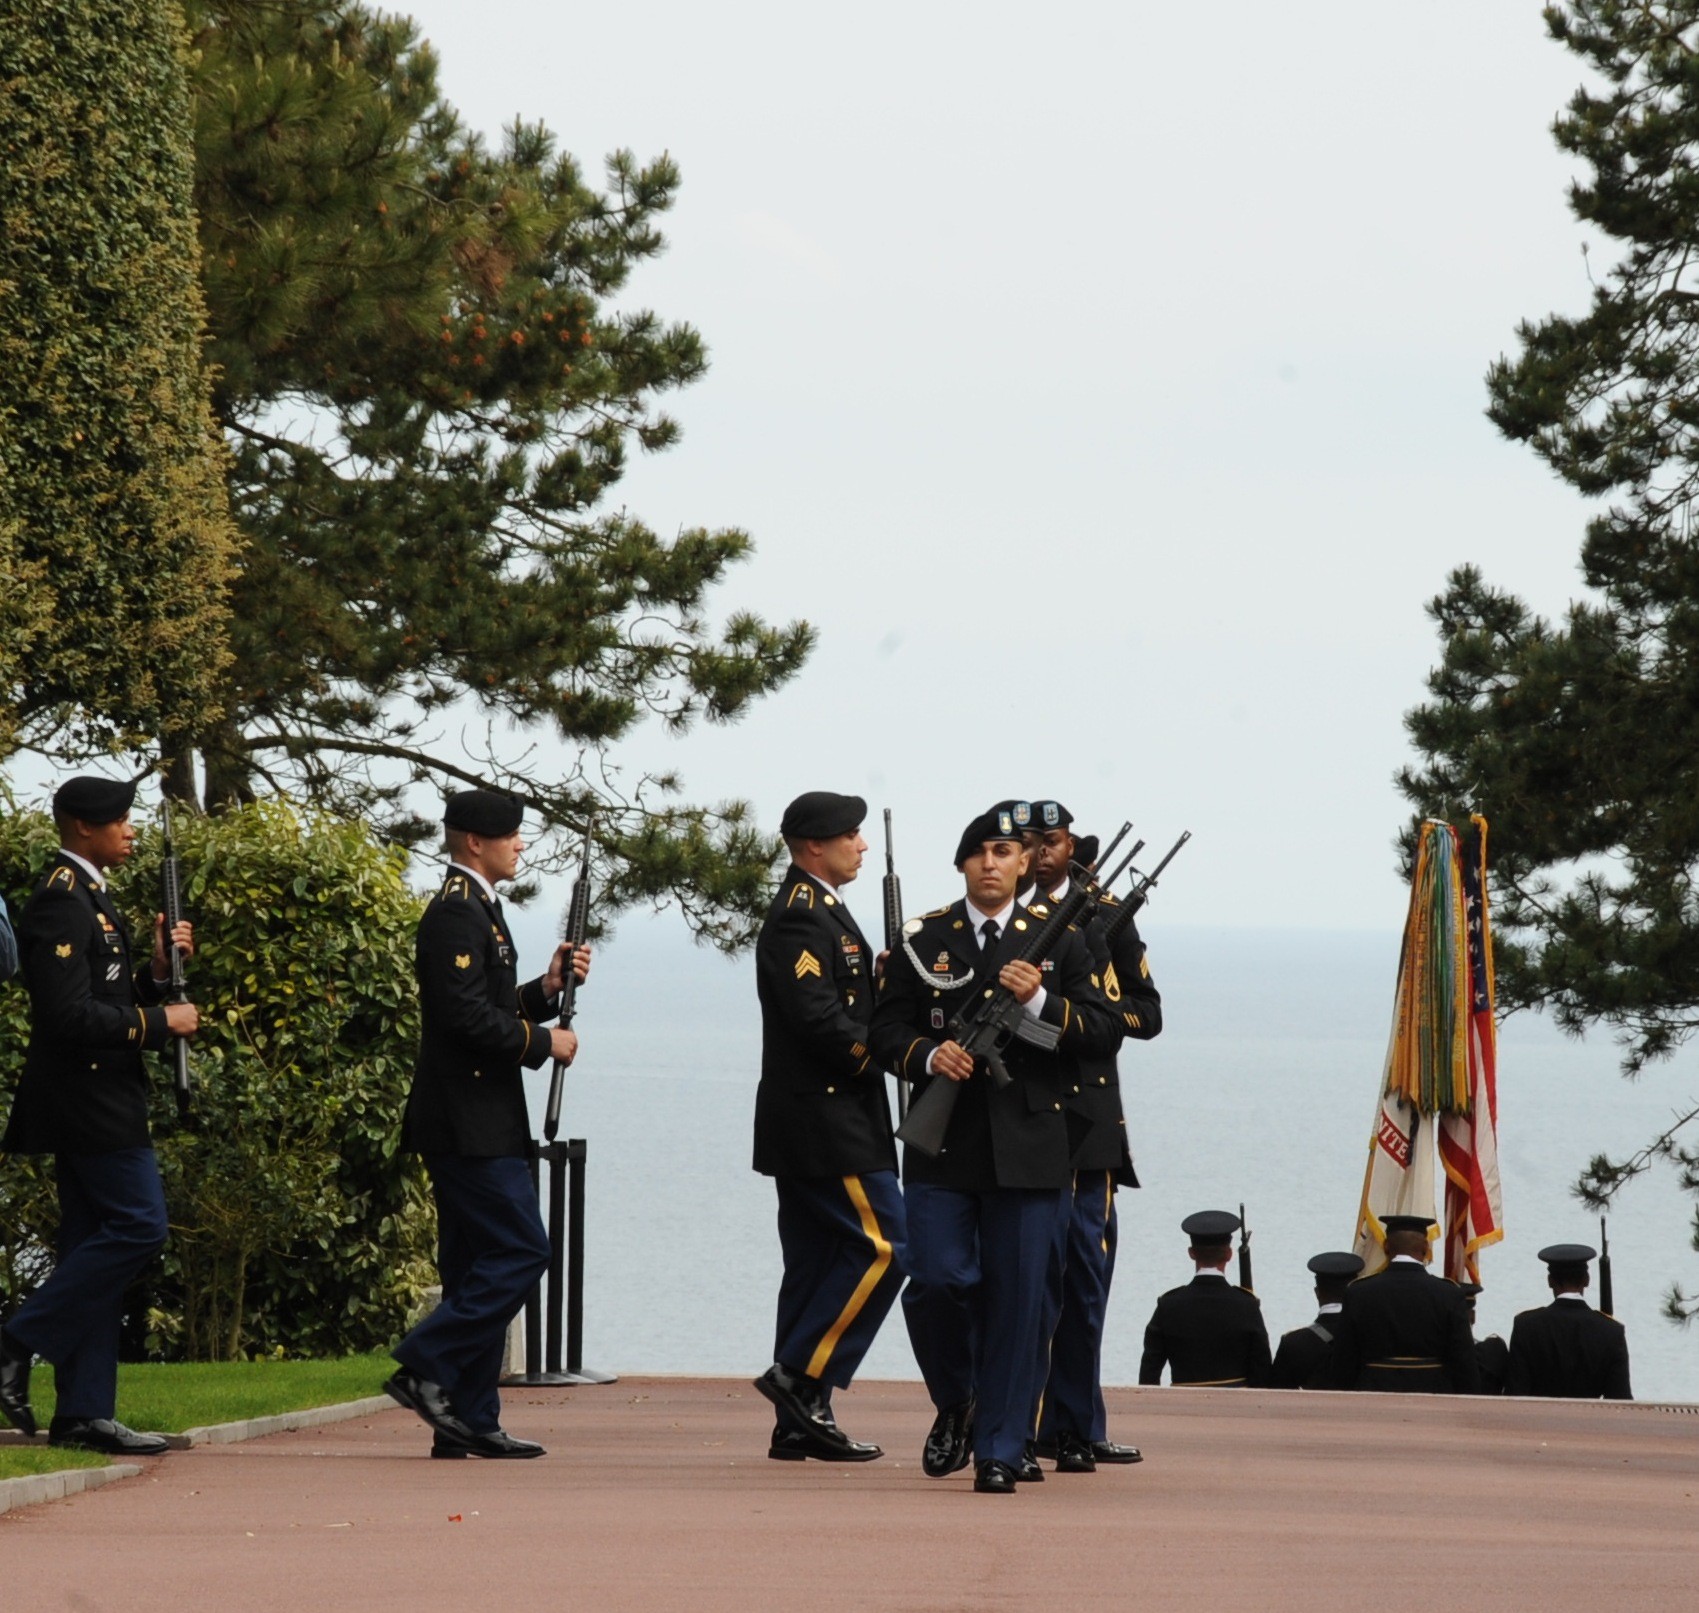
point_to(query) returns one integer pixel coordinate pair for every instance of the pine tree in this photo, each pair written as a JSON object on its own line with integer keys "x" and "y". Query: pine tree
{"x": 1580, "y": 739}
{"x": 431, "y": 384}
{"x": 115, "y": 533}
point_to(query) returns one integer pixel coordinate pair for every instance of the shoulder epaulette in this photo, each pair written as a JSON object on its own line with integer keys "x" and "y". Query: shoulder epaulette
{"x": 937, "y": 912}
{"x": 1106, "y": 900}
{"x": 1038, "y": 910}
{"x": 803, "y": 891}
{"x": 458, "y": 888}
{"x": 61, "y": 877}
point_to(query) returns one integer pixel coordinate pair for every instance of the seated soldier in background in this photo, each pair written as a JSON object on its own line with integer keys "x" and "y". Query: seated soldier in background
{"x": 1303, "y": 1352}
{"x": 1403, "y": 1329}
{"x": 1210, "y": 1333}
{"x": 1568, "y": 1349}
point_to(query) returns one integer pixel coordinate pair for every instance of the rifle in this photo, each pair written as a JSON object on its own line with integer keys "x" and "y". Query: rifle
{"x": 1139, "y": 894}
{"x": 1244, "y": 1250}
{"x": 997, "y": 1017}
{"x": 1607, "y": 1300}
{"x": 893, "y": 892}
{"x": 577, "y": 926}
{"x": 171, "y": 882}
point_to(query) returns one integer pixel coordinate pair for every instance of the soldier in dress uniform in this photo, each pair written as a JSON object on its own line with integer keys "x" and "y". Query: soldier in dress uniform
{"x": 823, "y": 1132}
{"x": 1072, "y": 1424}
{"x": 1492, "y": 1354}
{"x": 1209, "y": 1334}
{"x": 1567, "y": 1348}
{"x": 1302, "y": 1353}
{"x": 1404, "y": 1330}
{"x": 983, "y": 1215}
{"x": 83, "y": 1099}
{"x": 466, "y": 1114}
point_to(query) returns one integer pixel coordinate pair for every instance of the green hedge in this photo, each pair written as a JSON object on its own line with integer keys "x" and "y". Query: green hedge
{"x": 297, "y": 1228}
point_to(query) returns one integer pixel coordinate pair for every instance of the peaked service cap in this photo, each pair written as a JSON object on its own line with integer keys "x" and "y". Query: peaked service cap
{"x": 1209, "y": 1227}
{"x": 94, "y": 800}
{"x": 1407, "y": 1223}
{"x": 1335, "y": 1263}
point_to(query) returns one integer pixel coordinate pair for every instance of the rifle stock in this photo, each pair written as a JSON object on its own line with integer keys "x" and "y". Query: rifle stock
{"x": 577, "y": 927}
{"x": 893, "y": 894}
{"x": 997, "y": 1016}
{"x": 171, "y": 899}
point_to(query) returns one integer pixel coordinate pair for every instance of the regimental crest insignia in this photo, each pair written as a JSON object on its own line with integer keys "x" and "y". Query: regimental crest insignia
{"x": 63, "y": 950}
{"x": 807, "y": 965}
{"x": 463, "y": 960}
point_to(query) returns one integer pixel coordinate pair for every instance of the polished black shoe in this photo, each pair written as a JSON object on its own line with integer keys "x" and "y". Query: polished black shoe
{"x": 948, "y": 1441}
{"x": 14, "y": 1385}
{"x": 1105, "y": 1450}
{"x": 994, "y": 1478}
{"x": 1073, "y": 1454}
{"x": 803, "y": 1402}
{"x": 792, "y": 1445}
{"x": 430, "y": 1401}
{"x": 1027, "y": 1470}
{"x": 104, "y": 1435}
{"x": 499, "y": 1446}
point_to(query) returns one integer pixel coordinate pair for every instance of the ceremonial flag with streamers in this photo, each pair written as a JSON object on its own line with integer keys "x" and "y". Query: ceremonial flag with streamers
{"x": 1438, "y": 1090}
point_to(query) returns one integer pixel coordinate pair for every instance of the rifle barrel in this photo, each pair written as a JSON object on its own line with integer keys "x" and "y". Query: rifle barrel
{"x": 577, "y": 927}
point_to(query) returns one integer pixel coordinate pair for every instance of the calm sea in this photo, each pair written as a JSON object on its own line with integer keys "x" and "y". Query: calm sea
{"x": 1260, "y": 1089}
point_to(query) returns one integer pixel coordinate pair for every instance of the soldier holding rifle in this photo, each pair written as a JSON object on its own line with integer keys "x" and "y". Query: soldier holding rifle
{"x": 823, "y": 1132}
{"x": 83, "y": 1099}
{"x": 983, "y": 1211}
{"x": 1073, "y": 1423}
{"x": 466, "y": 1114}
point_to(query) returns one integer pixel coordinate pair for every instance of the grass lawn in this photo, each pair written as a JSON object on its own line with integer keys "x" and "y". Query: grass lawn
{"x": 167, "y": 1399}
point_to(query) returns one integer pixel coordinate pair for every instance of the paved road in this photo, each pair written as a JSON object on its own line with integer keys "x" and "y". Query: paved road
{"x": 657, "y": 1494}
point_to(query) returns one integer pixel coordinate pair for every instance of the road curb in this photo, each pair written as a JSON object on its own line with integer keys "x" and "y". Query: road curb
{"x": 285, "y": 1422}
{"x": 34, "y": 1488}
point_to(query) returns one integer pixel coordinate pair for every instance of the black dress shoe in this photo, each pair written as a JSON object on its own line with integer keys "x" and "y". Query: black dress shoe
{"x": 499, "y": 1446}
{"x": 1107, "y": 1451}
{"x": 792, "y": 1445}
{"x": 1027, "y": 1470}
{"x": 948, "y": 1441}
{"x": 994, "y": 1478}
{"x": 14, "y": 1385}
{"x": 430, "y": 1401}
{"x": 104, "y": 1435}
{"x": 803, "y": 1402}
{"x": 1073, "y": 1455}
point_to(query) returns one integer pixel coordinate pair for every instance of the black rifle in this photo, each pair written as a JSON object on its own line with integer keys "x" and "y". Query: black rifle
{"x": 998, "y": 1017}
{"x": 1244, "y": 1250}
{"x": 1607, "y": 1299}
{"x": 893, "y": 893}
{"x": 577, "y": 927}
{"x": 1122, "y": 916}
{"x": 171, "y": 882}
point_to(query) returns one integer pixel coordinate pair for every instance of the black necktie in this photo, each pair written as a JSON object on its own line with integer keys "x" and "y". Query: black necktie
{"x": 988, "y": 934}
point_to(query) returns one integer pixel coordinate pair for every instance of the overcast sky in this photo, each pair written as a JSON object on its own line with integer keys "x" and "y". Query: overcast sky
{"x": 1104, "y": 381}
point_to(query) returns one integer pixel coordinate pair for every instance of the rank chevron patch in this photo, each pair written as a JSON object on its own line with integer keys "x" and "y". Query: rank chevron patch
{"x": 807, "y": 965}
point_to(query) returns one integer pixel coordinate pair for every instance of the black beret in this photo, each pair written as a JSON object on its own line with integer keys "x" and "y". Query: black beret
{"x": 1407, "y": 1223}
{"x": 997, "y": 824}
{"x": 94, "y": 800}
{"x": 1567, "y": 1254}
{"x": 1085, "y": 850}
{"x": 491, "y": 813}
{"x": 1020, "y": 813}
{"x": 1336, "y": 1263}
{"x": 822, "y": 815}
{"x": 1210, "y": 1227}
{"x": 1050, "y": 815}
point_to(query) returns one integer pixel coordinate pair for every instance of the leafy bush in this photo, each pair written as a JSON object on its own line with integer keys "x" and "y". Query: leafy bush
{"x": 297, "y": 1228}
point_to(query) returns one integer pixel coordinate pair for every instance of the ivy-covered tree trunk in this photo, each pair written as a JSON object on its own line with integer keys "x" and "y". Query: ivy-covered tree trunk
{"x": 112, "y": 486}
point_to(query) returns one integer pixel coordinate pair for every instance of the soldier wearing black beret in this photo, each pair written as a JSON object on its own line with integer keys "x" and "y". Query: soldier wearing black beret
{"x": 985, "y": 1213}
{"x": 1404, "y": 1330}
{"x": 466, "y": 1114}
{"x": 83, "y": 1099}
{"x": 1074, "y": 1425}
{"x": 1210, "y": 1333}
{"x": 823, "y": 1132}
{"x": 1302, "y": 1353}
{"x": 1568, "y": 1349}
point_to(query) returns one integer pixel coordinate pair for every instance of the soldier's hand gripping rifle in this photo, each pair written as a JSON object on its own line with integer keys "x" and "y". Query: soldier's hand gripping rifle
{"x": 1607, "y": 1297}
{"x": 1244, "y": 1250}
{"x": 577, "y": 927}
{"x": 1122, "y": 915}
{"x": 893, "y": 893}
{"x": 177, "y": 990}
{"x": 998, "y": 1017}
